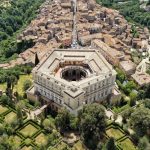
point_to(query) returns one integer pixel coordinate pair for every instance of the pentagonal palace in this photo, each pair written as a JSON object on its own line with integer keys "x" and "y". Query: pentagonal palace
{"x": 72, "y": 78}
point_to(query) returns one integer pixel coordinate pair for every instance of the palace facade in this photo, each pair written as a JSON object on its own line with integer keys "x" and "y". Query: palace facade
{"x": 72, "y": 78}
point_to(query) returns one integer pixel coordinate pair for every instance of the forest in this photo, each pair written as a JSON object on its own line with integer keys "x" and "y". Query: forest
{"x": 131, "y": 10}
{"x": 13, "y": 19}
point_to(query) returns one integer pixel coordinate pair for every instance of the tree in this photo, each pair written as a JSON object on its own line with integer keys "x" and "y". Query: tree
{"x": 2, "y": 129}
{"x": 120, "y": 75}
{"x": 111, "y": 144}
{"x": 92, "y": 121}
{"x": 140, "y": 120}
{"x": 141, "y": 94}
{"x": 16, "y": 94}
{"x": 5, "y": 99}
{"x": 11, "y": 82}
{"x": 27, "y": 84}
{"x": 147, "y": 103}
{"x": 129, "y": 87}
{"x": 74, "y": 122}
{"x": 47, "y": 124}
{"x": 133, "y": 97}
{"x": 19, "y": 115}
{"x": 144, "y": 144}
{"x": 127, "y": 113}
{"x": 62, "y": 120}
{"x": 36, "y": 59}
{"x": 147, "y": 89}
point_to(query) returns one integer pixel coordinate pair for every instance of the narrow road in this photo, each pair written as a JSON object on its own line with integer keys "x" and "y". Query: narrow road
{"x": 74, "y": 30}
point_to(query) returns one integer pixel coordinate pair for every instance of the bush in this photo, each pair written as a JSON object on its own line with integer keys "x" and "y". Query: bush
{"x": 26, "y": 85}
{"x": 47, "y": 125}
{"x": 5, "y": 99}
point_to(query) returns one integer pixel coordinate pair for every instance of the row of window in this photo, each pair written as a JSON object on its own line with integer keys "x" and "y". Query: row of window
{"x": 97, "y": 86}
{"x": 50, "y": 95}
{"x": 98, "y": 96}
{"x": 47, "y": 84}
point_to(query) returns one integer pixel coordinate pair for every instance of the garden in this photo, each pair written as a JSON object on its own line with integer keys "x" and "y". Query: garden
{"x": 115, "y": 132}
{"x": 19, "y": 86}
{"x": 123, "y": 142}
{"x": 126, "y": 144}
{"x": 27, "y": 135}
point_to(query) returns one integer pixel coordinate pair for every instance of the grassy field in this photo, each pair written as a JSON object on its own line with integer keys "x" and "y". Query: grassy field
{"x": 127, "y": 144}
{"x": 41, "y": 139}
{"x": 3, "y": 109}
{"x": 5, "y": 3}
{"x": 120, "y": 109}
{"x": 19, "y": 86}
{"x": 115, "y": 133}
{"x": 28, "y": 130}
{"x": 10, "y": 117}
{"x": 78, "y": 146}
{"x": 27, "y": 148}
{"x": 61, "y": 146}
{"x": 16, "y": 140}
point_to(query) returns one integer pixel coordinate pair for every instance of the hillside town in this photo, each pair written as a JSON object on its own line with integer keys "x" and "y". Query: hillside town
{"x": 76, "y": 77}
{"x": 97, "y": 27}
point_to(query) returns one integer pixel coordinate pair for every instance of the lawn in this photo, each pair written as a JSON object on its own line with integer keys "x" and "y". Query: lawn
{"x": 28, "y": 130}
{"x": 27, "y": 148}
{"x": 115, "y": 133}
{"x": 5, "y": 3}
{"x": 78, "y": 146}
{"x": 3, "y": 86}
{"x": 10, "y": 117}
{"x": 61, "y": 146}
{"x": 19, "y": 86}
{"x": 41, "y": 139}
{"x": 16, "y": 140}
{"x": 3, "y": 109}
{"x": 121, "y": 109}
{"x": 52, "y": 120}
{"x": 127, "y": 144}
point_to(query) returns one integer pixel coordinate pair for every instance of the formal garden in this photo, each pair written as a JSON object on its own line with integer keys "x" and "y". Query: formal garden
{"x": 19, "y": 86}
{"x": 123, "y": 141}
{"x": 28, "y": 135}
{"x": 48, "y": 130}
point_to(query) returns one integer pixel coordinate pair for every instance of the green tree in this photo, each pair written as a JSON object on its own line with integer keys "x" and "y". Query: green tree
{"x": 62, "y": 120}
{"x": 144, "y": 143}
{"x": 127, "y": 114}
{"x": 26, "y": 85}
{"x": 147, "y": 103}
{"x": 111, "y": 144}
{"x": 47, "y": 125}
{"x": 11, "y": 82}
{"x": 92, "y": 122}
{"x": 133, "y": 97}
{"x": 129, "y": 87}
{"x": 140, "y": 120}
{"x": 147, "y": 89}
{"x": 74, "y": 123}
{"x": 5, "y": 99}
{"x": 19, "y": 115}
{"x": 2, "y": 129}
{"x": 120, "y": 75}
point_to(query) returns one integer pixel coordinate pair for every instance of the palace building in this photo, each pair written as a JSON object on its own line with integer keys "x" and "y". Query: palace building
{"x": 72, "y": 78}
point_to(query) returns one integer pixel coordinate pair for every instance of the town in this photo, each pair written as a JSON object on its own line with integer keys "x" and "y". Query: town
{"x": 84, "y": 82}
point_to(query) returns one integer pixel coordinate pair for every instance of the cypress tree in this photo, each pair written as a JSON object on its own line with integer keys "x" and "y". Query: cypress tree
{"x": 36, "y": 59}
{"x": 111, "y": 144}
